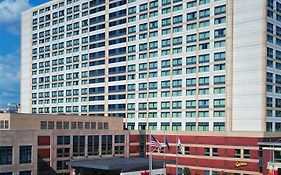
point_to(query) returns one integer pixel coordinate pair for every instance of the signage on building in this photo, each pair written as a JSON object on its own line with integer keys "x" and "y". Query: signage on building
{"x": 239, "y": 164}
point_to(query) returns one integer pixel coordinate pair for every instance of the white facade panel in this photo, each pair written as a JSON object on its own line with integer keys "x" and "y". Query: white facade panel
{"x": 248, "y": 65}
{"x": 26, "y": 58}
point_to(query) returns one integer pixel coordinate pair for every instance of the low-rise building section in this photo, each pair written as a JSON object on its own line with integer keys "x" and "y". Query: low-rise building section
{"x": 30, "y": 144}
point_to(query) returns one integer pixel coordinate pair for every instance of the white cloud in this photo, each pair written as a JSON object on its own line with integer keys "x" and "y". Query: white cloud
{"x": 10, "y": 12}
{"x": 9, "y": 78}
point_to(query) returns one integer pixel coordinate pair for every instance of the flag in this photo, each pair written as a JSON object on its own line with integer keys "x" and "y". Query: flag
{"x": 165, "y": 144}
{"x": 180, "y": 147}
{"x": 154, "y": 142}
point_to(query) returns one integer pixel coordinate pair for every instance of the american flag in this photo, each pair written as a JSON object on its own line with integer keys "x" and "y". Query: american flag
{"x": 154, "y": 142}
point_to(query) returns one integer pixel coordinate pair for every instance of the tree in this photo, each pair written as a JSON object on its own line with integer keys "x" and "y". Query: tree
{"x": 186, "y": 171}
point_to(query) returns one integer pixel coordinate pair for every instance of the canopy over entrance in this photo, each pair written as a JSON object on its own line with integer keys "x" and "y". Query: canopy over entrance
{"x": 114, "y": 166}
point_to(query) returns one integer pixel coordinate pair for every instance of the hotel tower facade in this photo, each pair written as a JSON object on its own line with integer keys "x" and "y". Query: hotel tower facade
{"x": 179, "y": 67}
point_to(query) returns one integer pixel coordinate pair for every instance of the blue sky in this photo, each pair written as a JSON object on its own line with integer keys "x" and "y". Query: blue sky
{"x": 10, "y": 11}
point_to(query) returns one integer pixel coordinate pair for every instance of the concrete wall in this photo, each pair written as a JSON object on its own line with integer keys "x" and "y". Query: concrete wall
{"x": 248, "y": 65}
{"x": 26, "y": 60}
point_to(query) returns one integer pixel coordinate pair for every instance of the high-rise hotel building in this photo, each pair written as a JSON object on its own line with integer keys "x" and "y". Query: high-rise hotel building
{"x": 162, "y": 65}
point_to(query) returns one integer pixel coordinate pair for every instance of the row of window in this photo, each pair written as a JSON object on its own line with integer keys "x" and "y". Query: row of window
{"x": 186, "y": 150}
{"x": 219, "y": 103}
{"x": 56, "y": 6}
{"x": 218, "y": 33}
{"x": 142, "y": 95}
{"x": 174, "y": 126}
{"x": 190, "y": 104}
{"x": 66, "y": 140}
{"x": 205, "y": 58}
{"x": 73, "y": 125}
{"x": 94, "y": 144}
{"x": 190, "y": 82}
{"x": 94, "y": 3}
{"x": 143, "y": 47}
{"x": 167, "y": 114}
{"x": 58, "y": 33}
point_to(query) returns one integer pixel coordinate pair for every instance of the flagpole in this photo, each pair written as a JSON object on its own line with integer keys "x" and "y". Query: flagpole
{"x": 177, "y": 154}
{"x": 164, "y": 164}
{"x": 164, "y": 147}
{"x": 150, "y": 156}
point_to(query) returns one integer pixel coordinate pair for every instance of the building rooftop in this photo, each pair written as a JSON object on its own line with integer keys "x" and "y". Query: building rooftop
{"x": 20, "y": 121}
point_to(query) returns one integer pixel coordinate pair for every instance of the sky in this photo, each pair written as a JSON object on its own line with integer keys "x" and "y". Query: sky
{"x": 10, "y": 11}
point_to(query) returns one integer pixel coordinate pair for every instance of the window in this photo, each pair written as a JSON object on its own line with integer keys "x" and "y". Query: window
{"x": 191, "y": 4}
{"x": 204, "y": 13}
{"x": 191, "y": 82}
{"x": 219, "y": 126}
{"x": 215, "y": 151}
{"x": 191, "y": 38}
{"x": 176, "y": 126}
{"x": 203, "y": 126}
{"x": 269, "y": 126}
{"x": 220, "y": 33}
{"x": 203, "y": 81}
{"x": 186, "y": 150}
{"x": 202, "y": 2}
{"x": 220, "y": 79}
{"x": 191, "y": 26}
{"x": 220, "y": 9}
{"x": 190, "y": 126}
{"x": 25, "y": 173}
{"x": 7, "y": 173}
{"x": 93, "y": 145}
{"x": 25, "y": 154}
{"x": 63, "y": 140}
{"x": 246, "y": 153}
{"x": 119, "y": 139}
{"x": 278, "y": 126}
{"x": 207, "y": 151}
{"x": 152, "y": 126}
{"x": 237, "y": 153}
{"x": 165, "y": 126}
{"x": 203, "y": 103}
{"x": 204, "y": 23}
{"x": 203, "y": 114}
{"x": 63, "y": 152}
{"x": 62, "y": 165}
{"x": 219, "y": 103}
{"x": 190, "y": 104}
{"x": 6, "y": 155}
{"x": 220, "y": 20}
{"x": 191, "y": 16}
{"x": 78, "y": 146}
{"x": 4, "y": 124}
{"x": 106, "y": 144}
